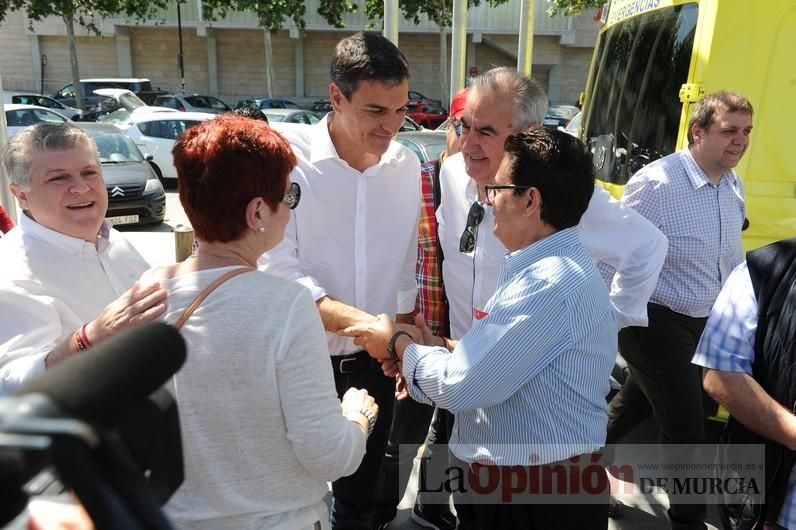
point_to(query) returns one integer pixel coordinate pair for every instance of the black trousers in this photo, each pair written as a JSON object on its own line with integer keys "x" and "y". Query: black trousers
{"x": 352, "y": 496}
{"x": 659, "y": 358}
{"x": 410, "y": 428}
{"x": 473, "y": 515}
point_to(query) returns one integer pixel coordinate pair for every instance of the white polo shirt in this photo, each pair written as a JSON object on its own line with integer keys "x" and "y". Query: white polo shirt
{"x": 611, "y": 233}
{"x": 50, "y": 285}
{"x": 353, "y": 235}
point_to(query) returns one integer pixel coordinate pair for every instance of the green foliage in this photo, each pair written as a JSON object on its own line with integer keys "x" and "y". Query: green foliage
{"x": 572, "y": 8}
{"x": 270, "y": 14}
{"x": 83, "y": 12}
{"x": 438, "y": 11}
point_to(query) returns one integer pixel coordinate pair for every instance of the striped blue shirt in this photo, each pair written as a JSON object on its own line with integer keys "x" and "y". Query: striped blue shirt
{"x": 527, "y": 383}
{"x": 728, "y": 345}
{"x": 702, "y": 222}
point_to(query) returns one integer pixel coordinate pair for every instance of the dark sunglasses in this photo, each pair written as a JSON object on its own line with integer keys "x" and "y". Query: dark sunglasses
{"x": 456, "y": 124}
{"x": 292, "y": 196}
{"x": 474, "y": 218}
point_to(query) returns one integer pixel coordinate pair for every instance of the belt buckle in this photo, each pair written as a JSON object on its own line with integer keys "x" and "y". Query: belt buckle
{"x": 342, "y": 364}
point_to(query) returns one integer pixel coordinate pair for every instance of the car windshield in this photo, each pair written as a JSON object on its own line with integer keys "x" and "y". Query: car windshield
{"x": 559, "y": 111}
{"x": 117, "y": 117}
{"x": 131, "y": 101}
{"x": 115, "y": 148}
{"x": 273, "y": 116}
{"x": 207, "y": 102}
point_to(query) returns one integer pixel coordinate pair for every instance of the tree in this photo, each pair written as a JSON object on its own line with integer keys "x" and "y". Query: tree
{"x": 572, "y": 8}
{"x": 84, "y": 13}
{"x": 440, "y": 12}
{"x": 270, "y": 15}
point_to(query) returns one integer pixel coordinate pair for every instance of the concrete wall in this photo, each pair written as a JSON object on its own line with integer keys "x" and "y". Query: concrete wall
{"x": 241, "y": 64}
{"x": 15, "y": 54}
{"x": 154, "y": 56}
{"x": 96, "y": 58}
{"x": 575, "y": 70}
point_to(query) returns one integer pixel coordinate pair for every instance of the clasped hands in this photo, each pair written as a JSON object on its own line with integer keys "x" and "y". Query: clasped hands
{"x": 374, "y": 335}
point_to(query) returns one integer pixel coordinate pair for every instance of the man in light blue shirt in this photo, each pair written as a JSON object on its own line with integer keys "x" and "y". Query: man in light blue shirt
{"x": 527, "y": 383}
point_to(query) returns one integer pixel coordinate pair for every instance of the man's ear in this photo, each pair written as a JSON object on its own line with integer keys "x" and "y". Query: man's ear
{"x": 335, "y": 97}
{"x": 697, "y": 132}
{"x": 21, "y": 194}
{"x": 533, "y": 202}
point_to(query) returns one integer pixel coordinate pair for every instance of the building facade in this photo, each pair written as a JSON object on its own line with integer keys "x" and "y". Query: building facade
{"x": 226, "y": 57}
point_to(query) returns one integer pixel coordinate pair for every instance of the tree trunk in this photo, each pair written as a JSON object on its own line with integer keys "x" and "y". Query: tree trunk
{"x": 69, "y": 21}
{"x": 269, "y": 64}
{"x": 444, "y": 72}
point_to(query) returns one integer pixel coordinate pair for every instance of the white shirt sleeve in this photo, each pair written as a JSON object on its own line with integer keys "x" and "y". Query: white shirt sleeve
{"x": 30, "y": 328}
{"x": 407, "y": 281}
{"x": 615, "y": 234}
{"x": 283, "y": 261}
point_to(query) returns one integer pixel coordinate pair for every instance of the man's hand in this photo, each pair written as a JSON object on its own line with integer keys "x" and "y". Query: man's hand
{"x": 139, "y": 305}
{"x": 401, "y": 390}
{"x": 372, "y": 336}
{"x": 336, "y": 315}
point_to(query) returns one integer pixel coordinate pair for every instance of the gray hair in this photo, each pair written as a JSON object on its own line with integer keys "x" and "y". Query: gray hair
{"x": 16, "y": 156}
{"x": 530, "y": 101}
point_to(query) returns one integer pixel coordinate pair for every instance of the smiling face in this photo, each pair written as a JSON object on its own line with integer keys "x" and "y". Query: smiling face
{"x": 367, "y": 122}
{"x": 67, "y": 192}
{"x": 720, "y": 147}
{"x": 486, "y": 123}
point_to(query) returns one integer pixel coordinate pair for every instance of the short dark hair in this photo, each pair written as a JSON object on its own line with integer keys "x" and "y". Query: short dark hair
{"x": 251, "y": 112}
{"x": 224, "y": 163}
{"x": 367, "y": 57}
{"x": 559, "y": 166}
{"x": 704, "y": 112}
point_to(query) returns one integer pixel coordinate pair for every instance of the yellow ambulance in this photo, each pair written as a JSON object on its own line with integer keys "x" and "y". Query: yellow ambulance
{"x": 655, "y": 58}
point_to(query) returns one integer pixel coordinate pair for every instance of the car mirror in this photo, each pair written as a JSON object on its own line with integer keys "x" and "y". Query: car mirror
{"x": 148, "y": 157}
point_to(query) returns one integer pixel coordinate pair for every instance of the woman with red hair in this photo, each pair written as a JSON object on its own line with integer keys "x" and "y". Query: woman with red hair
{"x": 263, "y": 430}
{"x": 6, "y": 223}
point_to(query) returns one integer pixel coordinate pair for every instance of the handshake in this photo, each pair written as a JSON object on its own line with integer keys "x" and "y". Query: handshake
{"x": 375, "y": 334}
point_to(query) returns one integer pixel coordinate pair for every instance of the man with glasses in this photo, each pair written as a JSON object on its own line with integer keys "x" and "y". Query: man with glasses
{"x": 527, "y": 382}
{"x": 353, "y": 238}
{"x": 502, "y": 102}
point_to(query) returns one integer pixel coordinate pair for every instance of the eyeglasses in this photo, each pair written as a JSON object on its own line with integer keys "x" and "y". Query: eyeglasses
{"x": 292, "y": 196}
{"x": 474, "y": 218}
{"x": 456, "y": 124}
{"x": 492, "y": 189}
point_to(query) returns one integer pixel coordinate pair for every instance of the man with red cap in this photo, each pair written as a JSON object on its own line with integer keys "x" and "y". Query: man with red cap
{"x": 411, "y": 419}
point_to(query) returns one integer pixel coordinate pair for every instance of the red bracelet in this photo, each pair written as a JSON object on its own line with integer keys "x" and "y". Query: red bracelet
{"x": 84, "y": 337}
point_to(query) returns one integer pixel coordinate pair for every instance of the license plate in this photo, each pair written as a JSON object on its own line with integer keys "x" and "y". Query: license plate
{"x": 122, "y": 219}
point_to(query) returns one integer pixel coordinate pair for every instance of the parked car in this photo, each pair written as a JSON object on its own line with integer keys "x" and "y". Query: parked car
{"x": 267, "y": 103}
{"x": 135, "y": 194}
{"x": 20, "y": 116}
{"x": 322, "y": 106}
{"x": 559, "y": 115}
{"x": 573, "y": 126}
{"x": 67, "y": 94}
{"x": 148, "y": 96}
{"x": 47, "y": 102}
{"x": 417, "y": 97}
{"x": 120, "y": 107}
{"x": 410, "y": 125}
{"x": 193, "y": 103}
{"x": 427, "y": 145}
{"x": 291, "y": 116}
{"x": 154, "y": 133}
{"x": 429, "y": 116}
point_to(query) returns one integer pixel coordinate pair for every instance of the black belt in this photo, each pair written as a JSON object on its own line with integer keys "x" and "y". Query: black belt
{"x": 351, "y": 363}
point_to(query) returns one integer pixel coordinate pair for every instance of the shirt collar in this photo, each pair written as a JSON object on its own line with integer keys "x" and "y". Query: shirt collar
{"x": 73, "y": 245}
{"x": 550, "y": 246}
{"x": 697, "y": 175}
{"x": 322, "y": 147}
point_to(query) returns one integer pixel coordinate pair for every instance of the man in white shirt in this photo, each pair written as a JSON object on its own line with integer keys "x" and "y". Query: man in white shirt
{"x": 503, "y": 102}
{"x": 353, "y": 238}
{"x": 67, "y": 279}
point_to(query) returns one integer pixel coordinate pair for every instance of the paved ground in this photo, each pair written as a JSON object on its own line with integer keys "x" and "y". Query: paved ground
{"x": 157, "y": 246}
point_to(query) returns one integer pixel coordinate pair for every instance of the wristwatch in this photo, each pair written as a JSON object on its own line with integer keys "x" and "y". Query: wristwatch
{"x": 371, "y": 419}
{"x": 391, "y": 345}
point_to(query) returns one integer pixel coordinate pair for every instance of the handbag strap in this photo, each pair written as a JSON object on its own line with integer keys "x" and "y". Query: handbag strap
{"x": 206, "y": 291}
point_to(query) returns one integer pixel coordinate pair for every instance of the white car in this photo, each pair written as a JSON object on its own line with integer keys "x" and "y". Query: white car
{"x": 43, "y": 101}
{"x": 155, "y": 133}
{"x": 125, "y": 107}
{"x": 20, "y": 116}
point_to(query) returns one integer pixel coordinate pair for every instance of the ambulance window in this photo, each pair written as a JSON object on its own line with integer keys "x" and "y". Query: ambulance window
{"x": 633, "y": 115}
